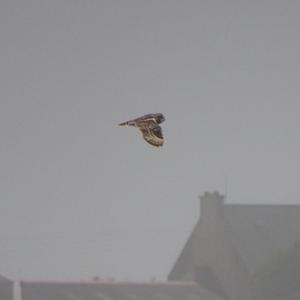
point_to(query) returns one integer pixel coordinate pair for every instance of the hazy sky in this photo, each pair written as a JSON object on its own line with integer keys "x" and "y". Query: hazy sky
{"x": 81, "y": 196}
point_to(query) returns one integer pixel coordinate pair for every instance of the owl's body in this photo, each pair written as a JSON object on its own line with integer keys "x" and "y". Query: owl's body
{"x": 149, "y": 126}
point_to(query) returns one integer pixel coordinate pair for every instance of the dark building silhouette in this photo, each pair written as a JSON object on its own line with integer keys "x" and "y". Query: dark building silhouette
{"x": 232, "y": 244}
{"x": 6, "y": 289}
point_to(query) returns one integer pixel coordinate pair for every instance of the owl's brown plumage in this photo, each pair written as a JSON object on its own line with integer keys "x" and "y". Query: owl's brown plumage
{"x": 149, "y": 126}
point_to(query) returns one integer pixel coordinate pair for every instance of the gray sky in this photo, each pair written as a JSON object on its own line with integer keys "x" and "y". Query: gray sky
{"x": 81, "y": 196}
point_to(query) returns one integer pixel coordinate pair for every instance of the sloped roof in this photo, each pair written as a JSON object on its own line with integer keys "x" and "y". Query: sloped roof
{"x": 230, "y": 242}
{"x": 4, "y": 279}
{"x": 260, "y": 231}
{"x": 186, "y": 259}
{"x": 114, "y": 291}
{"x": 256, "y": 232}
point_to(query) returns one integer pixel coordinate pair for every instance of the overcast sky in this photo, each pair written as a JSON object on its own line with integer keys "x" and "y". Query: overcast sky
{"x": 81, "y": 196}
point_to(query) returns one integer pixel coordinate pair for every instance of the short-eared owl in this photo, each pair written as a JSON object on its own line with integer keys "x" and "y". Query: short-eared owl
{"x": 149, "y": 126}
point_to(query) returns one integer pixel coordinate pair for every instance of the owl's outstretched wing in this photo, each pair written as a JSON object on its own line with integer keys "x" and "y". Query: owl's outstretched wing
{"x": 152, "y": 132}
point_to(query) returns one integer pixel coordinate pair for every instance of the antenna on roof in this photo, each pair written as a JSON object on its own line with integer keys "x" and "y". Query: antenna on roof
{"x": 225, "y": 186}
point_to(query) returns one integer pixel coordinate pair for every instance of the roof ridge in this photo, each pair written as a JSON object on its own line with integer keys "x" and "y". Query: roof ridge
{"x": 115, "y": 282}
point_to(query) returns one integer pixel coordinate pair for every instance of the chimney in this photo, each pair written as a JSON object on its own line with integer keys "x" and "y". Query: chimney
{"x": 211, "y": 206}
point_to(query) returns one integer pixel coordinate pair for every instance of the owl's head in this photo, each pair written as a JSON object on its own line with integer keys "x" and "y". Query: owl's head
{"x": 159, "y": 118}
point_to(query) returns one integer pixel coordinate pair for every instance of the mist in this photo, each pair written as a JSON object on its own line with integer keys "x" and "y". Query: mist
{"x": 82, "y": 197}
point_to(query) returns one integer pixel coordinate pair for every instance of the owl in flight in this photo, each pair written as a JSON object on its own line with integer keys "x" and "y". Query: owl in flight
{"x": 149, "y": 126}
